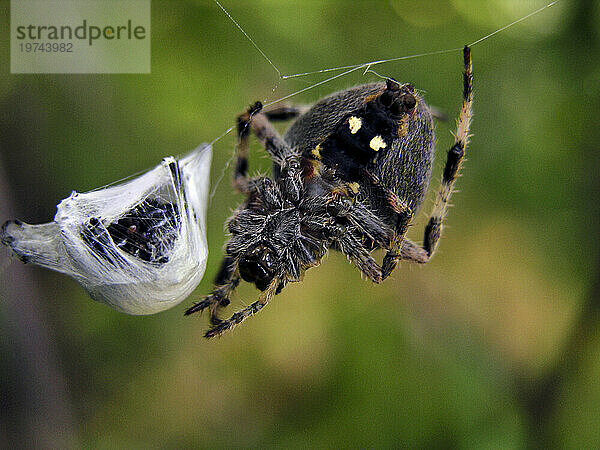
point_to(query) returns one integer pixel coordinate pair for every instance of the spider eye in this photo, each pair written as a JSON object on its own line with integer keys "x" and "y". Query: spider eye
{"x": 409, "y": 101}
{"x": 392, "y": 85}
{"x": 405, "y": 103}
{"x": 386, "y": 98}
{"x": 397, "y": 108}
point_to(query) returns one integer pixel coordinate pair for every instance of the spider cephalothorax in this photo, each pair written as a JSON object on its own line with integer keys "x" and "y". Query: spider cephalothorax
{"x": 349, "y": 175}
{"x": 273, "y": 238}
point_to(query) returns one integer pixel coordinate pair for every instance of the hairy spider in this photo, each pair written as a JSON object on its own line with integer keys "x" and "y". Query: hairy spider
{"x": 349, "y": 174}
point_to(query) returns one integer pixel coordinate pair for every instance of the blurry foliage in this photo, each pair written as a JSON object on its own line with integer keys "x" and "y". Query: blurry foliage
{"x": 437, "y": 356}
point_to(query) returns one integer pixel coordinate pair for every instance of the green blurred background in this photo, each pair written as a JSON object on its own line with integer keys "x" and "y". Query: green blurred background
{"x": 494, "y": 344}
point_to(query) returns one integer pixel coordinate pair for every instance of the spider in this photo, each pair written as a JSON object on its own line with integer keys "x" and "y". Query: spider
{"x": 349, "y": 174}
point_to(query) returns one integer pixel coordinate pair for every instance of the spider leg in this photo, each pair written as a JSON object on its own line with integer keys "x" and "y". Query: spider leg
{"x": 243, "y": 314}
{"x": 404, "y": 215}
{"x": 286, "y": 160}
{"x": 283, "y": 113}
{"x": 258, "y": 121}
{"x": 350, "y": 246}
{"x": 225, "y": 282}
{"x": 343, "y": 204}
{"x": 412, "y": 252}
{"x": 370, "y": 225}
{"x": 433, "y": 231}
{"x": 346, "y": 242}
{"x": 454, "y": 161}
{"x": 240, "y": 173}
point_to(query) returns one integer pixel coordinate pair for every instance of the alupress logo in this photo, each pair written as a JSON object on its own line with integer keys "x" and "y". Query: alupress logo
{"x": 80, "y": 36}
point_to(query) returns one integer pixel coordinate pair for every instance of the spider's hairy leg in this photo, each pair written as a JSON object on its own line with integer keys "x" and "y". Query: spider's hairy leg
{"x": 268, "y": 136}
{"x": 344, "y": 241}
{"x": 433, "y": 230}
{"x": 359, "y": 255}
{"x": 240, "y": 173}
{"x": 225, "y": 282}
{"x": 287, "y": 169}
{"x": 243, "y": 314}
{"x": 283, "y": 113}
{"x": 404, "y": 249}
{"x": 370, "y": 225}
{"x": 257, "y": 121}
{"x": 343, "y": 204}
{"x": 404, "y": 216}
{"x": 410, "y": 251}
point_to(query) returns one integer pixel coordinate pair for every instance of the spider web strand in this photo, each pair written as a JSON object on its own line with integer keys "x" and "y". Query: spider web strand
{"x": 537, "y": 11}
{"x": 249, "y": 38}
{"x": 371, "y": 63}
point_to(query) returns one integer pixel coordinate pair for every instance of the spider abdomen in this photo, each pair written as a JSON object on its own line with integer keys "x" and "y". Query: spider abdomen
{"x": 379, "y": 135}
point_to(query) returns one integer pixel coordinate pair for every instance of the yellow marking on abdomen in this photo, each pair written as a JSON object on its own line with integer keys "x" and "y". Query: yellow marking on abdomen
{"x": 355, "y": 123}
{"x": 377, "y": 143}
{"x": 316, "y": 152}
